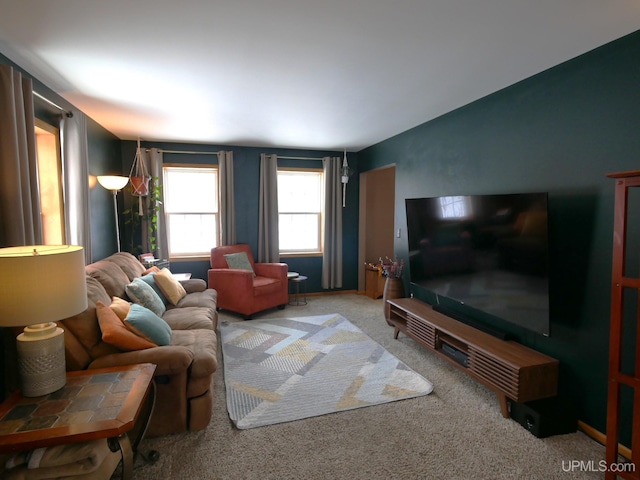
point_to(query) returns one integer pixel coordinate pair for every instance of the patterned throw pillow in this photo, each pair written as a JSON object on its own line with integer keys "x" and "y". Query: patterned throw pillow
{"x": 141, "y": 293}
{"x": 239, "y": 261}
{"x": 147, "y": 324}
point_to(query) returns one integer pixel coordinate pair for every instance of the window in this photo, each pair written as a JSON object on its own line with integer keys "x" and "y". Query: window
{"x": 50, "y": 181}
{"x": 300, "y": 200}
{"x": 191, "y": 209}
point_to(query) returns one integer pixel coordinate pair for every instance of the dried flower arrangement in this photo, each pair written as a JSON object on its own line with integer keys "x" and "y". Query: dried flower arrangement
{"x": 388, "y": 268}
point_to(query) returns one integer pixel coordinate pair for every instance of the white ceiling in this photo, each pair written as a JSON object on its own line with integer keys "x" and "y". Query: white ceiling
{"x": 316, "y": 74}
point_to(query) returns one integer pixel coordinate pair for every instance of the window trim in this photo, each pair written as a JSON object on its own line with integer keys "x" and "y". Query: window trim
{"x": 198, "y": 255}
{"x": 307, "y": 253}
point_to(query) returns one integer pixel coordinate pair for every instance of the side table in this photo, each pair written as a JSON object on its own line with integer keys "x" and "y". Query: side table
{"x": 113, "y": 403}
{"x": 295, "y": 298}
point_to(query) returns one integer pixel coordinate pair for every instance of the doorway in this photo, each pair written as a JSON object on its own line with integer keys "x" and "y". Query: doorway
{"x": 377, "y": 218}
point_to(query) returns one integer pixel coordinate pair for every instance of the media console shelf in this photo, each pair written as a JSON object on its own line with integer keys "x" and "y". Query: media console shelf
{"x": 512, "y": 370}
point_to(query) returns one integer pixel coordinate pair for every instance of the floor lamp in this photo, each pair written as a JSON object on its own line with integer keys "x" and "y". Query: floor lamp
{"x": 115, "y": 183}
{"x": 39, "y": 285}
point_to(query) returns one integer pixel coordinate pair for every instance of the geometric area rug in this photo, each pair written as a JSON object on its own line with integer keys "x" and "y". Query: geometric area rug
{"x": 286, "y": 369}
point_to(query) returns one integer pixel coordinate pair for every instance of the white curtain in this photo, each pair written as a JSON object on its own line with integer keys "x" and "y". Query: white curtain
{"x": 75, "y": 166}
{"x": 154, "y": 158}
{"x": 332, "y": 250}
{"x": 268, "y": 238}
{"x": 20, "y": 220}
{"x": 227, "y": 204}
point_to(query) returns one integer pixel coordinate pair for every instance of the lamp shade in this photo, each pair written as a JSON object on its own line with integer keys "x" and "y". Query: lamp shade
{"x": 112, "y": 182}
{"x": 41, "y": 283}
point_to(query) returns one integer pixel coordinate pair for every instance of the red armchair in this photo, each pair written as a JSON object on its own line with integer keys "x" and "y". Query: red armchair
{"x": 243, "y": 292}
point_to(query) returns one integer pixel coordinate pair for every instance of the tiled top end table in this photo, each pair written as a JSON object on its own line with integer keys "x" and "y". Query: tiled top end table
{"x": 113, "y": 403}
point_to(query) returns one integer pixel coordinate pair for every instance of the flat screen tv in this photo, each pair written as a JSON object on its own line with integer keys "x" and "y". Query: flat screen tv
{"x": 486, "y": 252}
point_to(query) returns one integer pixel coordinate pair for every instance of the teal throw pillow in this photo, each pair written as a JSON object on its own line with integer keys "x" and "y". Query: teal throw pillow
{"x": 147, "y": 324}
{"x": 151, "y": 281}
{"x": 239, "y": 261}
{"x": 141, "y": 293}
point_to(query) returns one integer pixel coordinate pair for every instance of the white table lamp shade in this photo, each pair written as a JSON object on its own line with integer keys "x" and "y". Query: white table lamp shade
{"x": 40, "y": 284}
{"x": 44, "y": 287}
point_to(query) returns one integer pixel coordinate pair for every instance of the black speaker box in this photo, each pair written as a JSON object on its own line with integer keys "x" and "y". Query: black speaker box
{"x": 545, "y": 418}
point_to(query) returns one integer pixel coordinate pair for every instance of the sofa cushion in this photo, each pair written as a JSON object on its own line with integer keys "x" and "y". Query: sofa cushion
{"x": 189, "y": 318}
{"x": 110, "y": 275}
{"x": 147, "y": 324}
{"x": 114, "y": 331}
{"x": 128, "y": 263}
{"x": 169, "y": 286}
{"x": 203, "y": 344}
{"x": 141, "y": 293}
{"x": 207, "y": 298}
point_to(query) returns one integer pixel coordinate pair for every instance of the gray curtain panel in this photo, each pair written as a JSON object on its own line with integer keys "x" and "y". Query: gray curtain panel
{"x": 227, "y": 204}
{"x": 20, "y": 222}
{"x": 75, "y": 158}
{"x": 268, "y": 238}
{"x": 332, "y": 251}
{"x": 154, "y": 160}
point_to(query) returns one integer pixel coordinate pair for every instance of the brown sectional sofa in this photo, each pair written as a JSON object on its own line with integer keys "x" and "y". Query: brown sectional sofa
{"x": 184, "y": 373}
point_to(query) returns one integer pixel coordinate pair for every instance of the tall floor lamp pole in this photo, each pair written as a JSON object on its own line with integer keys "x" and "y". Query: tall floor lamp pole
{"x": 114, "y": 183}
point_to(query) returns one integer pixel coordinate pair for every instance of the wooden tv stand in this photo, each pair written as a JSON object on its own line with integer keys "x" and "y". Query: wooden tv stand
{"x": 512, "y": 370}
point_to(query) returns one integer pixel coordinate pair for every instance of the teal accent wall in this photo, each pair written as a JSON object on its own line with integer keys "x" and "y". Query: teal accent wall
{"x": 104, "y": 151}
{"x": 246, "y": 161}
{"x": 560, "y": 131}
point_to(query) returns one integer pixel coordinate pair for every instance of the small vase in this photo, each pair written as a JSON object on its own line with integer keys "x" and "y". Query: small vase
{"x": 393, "y": 288}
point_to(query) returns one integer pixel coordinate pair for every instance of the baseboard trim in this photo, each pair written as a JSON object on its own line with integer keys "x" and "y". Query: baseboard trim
{"x": 332, "y": 292}
{"x": 600, "y": 437}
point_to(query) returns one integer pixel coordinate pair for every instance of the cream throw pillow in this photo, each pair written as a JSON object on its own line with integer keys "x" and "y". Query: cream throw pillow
{"x": 121, "y": 307}
{"x": 169, "y": 286}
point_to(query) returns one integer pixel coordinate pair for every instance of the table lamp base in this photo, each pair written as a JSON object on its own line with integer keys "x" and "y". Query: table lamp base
{"x": 41, "y": 360}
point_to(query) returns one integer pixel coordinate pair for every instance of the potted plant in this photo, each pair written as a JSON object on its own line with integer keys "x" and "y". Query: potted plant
{"x": 142, "y": 221}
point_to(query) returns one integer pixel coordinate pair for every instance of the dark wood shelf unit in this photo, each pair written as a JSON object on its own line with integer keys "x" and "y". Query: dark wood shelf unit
{"x": 617, "y": 378}
{"x": 510, "y": 369}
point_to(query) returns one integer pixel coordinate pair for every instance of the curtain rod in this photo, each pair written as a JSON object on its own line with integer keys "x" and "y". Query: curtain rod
{"x": 299, "y": 158}
{"x": 55, "y": 105}
{"x": 187, "y": 152}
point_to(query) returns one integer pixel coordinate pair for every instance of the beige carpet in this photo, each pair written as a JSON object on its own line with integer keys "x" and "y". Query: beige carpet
{"x": 456, "y": 432}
